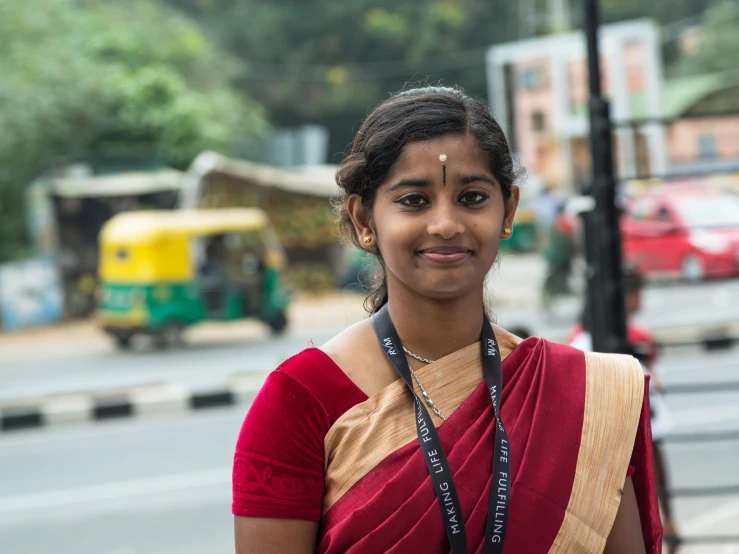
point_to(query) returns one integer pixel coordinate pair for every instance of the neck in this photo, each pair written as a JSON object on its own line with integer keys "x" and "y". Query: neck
{"x": 434, "y": 328}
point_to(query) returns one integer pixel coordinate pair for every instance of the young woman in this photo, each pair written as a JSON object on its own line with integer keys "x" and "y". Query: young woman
{"x": 336, "y": 453}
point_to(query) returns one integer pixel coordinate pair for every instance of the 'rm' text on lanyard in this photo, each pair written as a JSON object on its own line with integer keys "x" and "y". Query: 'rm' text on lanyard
{"x": 433, "y": 453}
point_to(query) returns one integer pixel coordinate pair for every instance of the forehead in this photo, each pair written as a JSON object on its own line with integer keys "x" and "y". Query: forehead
{"x": 461, "y": 150}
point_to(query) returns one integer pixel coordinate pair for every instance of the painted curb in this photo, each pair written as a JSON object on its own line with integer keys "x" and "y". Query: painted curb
{"x": 136, "y": 402}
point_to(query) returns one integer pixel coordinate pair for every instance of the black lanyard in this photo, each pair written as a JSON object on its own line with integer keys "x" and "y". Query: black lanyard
{"x": 433, "y": 453}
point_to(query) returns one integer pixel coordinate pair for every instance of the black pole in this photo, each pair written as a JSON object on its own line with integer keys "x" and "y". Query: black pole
{"x": 605, "y": 299}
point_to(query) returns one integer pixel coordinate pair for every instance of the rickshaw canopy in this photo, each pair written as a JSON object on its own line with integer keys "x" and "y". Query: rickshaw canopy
{"x": 149, "y": 226}
{"x": 155, "y": 246}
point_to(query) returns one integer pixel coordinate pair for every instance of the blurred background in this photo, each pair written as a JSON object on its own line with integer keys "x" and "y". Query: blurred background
{"x": 167, "y": 235}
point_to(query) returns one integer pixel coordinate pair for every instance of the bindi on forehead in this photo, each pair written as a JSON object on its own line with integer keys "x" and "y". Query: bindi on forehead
{"x": 442, "y": 158}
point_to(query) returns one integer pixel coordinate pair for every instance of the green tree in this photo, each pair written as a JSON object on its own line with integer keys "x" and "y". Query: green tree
{"x": 328, "y": 62}
{"x": 719, "y": 46}
{"x": 93, "y": 80}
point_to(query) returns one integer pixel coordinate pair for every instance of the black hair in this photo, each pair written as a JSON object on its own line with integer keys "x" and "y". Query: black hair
{"x": 632, "y": 280}
{"x": 408, "y": 116}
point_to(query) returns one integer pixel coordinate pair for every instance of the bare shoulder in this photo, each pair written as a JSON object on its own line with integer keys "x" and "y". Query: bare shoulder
{"x": 356, "y": 351}
{"x": 274, "y": 536}
{"x": 351, "y": 337}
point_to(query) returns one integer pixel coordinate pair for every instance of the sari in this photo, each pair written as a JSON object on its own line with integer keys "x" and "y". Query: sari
{"x": 577, "y": 423}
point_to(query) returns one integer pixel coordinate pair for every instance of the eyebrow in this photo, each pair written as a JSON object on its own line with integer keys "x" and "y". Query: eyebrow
{"x": 467, "y": 179}
{"x": 409, "y": 183}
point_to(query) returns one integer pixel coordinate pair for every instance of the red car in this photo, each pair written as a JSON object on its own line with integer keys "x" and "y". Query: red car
{"x": 683, "y": 231}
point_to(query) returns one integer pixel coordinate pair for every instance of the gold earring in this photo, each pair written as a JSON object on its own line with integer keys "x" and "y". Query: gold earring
{"x": 507, "y": 231}
{"x": 367, "y": 240}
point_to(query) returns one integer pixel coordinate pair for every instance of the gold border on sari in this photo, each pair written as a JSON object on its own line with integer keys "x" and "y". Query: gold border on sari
{"x": 369, "y": 432}
{"x": 614, "y": 393}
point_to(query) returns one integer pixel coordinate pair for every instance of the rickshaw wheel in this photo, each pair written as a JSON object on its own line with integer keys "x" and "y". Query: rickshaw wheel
{"x": 278, "y": 323}
{"x": 123, "y": 341}
{"x": 169, "y": 335}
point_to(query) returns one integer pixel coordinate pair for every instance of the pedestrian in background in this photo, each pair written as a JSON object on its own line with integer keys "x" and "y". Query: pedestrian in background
{"x": 546, "y": 206}
{"x": 559, "y": 253}
{"x": 425, "y": 428}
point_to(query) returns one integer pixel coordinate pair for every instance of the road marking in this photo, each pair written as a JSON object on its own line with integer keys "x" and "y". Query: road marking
{"x": 115, "y": 490}
{"x": 44, "y": 436}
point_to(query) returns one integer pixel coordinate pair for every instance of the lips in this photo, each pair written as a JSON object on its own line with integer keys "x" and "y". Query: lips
{"x": 445, "y": 254}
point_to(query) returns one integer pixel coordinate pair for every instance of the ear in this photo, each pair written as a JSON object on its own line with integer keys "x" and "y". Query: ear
{"x": 361, "y": 220}
{"x": 511, "y": 205}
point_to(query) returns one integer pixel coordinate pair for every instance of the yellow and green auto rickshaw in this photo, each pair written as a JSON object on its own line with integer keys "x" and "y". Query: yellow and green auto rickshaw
{"x": 161, "y": 271}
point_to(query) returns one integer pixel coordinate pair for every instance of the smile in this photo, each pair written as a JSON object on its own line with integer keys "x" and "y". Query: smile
{"x": 445, "y": 255}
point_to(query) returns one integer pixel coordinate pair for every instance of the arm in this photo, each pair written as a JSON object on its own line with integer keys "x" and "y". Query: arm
{"x": 626, "y": 534}
{"x": 278, "y": 473}
{"x": 256, "y": 535}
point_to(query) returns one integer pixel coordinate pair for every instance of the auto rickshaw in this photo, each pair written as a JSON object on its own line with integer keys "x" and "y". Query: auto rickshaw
{"x": 161, "y": 271}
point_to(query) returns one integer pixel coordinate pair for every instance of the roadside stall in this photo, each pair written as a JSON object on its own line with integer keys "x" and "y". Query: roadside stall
{"x": 296, "y": 200}
{"x": 65, "y": 216}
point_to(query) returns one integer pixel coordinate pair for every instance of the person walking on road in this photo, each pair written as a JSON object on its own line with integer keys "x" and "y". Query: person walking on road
{"x": 545, "y": 207}
{"x": 425, "y": 428}
{"x": 559, "y": 253}
{"x": 646, "y": 350}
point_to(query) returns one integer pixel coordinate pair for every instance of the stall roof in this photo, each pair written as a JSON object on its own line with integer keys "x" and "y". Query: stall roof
{"x": 315, "y": 180}
{"x": 119, "y": 184}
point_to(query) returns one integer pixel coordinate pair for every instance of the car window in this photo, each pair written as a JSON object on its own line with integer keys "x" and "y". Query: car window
{"x": 709, "y": 211}
{"x": 643, "y": 209}
{"x": 664, "y": 214}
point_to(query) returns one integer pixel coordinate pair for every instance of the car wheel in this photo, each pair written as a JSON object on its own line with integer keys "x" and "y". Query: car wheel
{"x": 693, "y": 269}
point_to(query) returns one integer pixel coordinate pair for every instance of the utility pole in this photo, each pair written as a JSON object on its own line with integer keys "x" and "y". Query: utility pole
{"x": 605, "y": 298}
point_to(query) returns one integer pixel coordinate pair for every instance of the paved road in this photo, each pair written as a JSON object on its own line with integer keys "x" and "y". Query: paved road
{"x": 154, "y": 487}
{"x": 199, "y": 364}
{"x": 161, "y": 486}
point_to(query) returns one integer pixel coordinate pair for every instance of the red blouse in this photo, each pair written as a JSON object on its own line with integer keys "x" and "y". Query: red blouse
{"x": 278, "y": 469}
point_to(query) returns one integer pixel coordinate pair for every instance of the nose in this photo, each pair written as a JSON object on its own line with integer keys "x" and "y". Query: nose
{"x": 445, "y": 222}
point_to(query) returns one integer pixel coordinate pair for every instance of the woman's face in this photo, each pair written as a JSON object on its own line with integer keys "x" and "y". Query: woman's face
{"x": 439, "y": 216}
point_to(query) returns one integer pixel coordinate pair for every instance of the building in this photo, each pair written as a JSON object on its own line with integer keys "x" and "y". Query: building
{"x": 538, "y": 92}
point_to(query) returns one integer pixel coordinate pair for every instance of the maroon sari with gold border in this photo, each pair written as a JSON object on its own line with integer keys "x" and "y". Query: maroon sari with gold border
{"x": 575, "y": 422}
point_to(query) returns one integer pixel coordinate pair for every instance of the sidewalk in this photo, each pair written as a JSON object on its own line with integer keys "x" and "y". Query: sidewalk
{"x": 334, "y": 310}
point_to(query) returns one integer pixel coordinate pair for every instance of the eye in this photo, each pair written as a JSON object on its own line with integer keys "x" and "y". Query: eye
{"x": 413, "y": 201}
{"x": 473, "y": 197}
